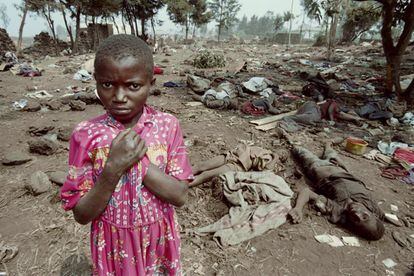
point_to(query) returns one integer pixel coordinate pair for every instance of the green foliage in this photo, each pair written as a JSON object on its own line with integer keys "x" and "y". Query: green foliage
{"x": 224, "y": 12}
{"x": 359, "y": 19}
{"x": 208, "y": 59}
{"x": 186, "y": 12}
{"x": 264, "y": 26}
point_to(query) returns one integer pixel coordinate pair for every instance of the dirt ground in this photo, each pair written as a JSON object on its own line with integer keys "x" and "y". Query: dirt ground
{"x": 48, "y": 239}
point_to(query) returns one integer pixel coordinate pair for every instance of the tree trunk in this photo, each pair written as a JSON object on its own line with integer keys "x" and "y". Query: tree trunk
{"x": 68, "y": 28}
{"x": 116, "y": 25}
{"x": 186, "y": 29}
{"x": 136, "y": 27}
{"x": 332, "y": 35}
{"x": 20, "y": 40}
{"x": 143, "y": 33}
{"x": 409, "y": 93}
{"x": 123, "y": 22}
{"x": 153, "y": 30}
{"x": 219, "y": 32}
{"x": 194, "y": 30}
{"x": 78, "y": 19}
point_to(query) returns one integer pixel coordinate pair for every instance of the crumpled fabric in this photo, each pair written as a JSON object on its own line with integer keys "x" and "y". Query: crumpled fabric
{"x": 405, "y": 156}
{"x": 257, "y": 84}
{"x": 217, "y": 95}
{"x": 249, "y": 108}
{"x": 247, "y": 158}
{"x": 260, "y": 202}
{"x": 197, "y": 84}
{"x": 389, "y": 149}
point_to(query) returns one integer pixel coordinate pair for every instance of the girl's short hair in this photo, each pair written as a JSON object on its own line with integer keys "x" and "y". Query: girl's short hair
{"x": 122, "y": 45}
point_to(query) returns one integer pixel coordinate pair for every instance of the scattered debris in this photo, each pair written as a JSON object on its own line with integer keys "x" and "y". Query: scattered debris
{"x": 332, "y": 240}
{"x": 82, "y": 75}
{"x": 257, "y": 84}
{"x": 389, "y": 263}
{"x": 7, "y": 252}
{"x": 393, "y": 219}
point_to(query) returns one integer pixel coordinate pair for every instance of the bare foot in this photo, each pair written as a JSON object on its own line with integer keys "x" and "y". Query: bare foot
{"x": 296, "y": 215}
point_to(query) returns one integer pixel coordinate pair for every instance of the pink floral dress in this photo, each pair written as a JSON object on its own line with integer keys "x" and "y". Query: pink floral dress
{"x": 137, "y": 234}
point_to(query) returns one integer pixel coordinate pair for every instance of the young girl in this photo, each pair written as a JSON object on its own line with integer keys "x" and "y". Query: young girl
{"x": 128, "y": 168}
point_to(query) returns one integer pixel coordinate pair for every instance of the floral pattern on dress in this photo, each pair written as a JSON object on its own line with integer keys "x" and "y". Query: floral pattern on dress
{"x": 137, "y": 233}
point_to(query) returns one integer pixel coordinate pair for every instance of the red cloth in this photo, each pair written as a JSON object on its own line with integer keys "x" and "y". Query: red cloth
{"x": 249, "y": 108}
{"x": 404, "y": 154}
{"x": 328, "y": 109}
{"x": 158, "y": 70}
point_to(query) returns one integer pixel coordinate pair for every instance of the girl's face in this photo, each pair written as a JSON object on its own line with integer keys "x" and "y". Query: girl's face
{"x": 123, "y": 86}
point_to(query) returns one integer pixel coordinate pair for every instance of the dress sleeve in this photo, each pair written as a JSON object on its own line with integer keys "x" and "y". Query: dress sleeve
{"x": 178, "y": 164}
{"x": 79, "y": 180}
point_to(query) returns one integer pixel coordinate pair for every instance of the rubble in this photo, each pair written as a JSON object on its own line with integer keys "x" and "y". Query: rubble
{"x": 43, "y": 45}
{"x": 6, "y": 44}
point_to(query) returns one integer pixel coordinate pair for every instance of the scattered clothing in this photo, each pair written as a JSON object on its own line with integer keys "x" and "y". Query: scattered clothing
{"x": 197, "y": 84}
{"x": 172, "y": 84}
{"x": 246, "y": 158}
{"x": 249, "y": 108}
{"x": 257, "y": 84}
{"x": 158, "y": 70}
{"x": 260, "y": 202}
{"x": 82, "y": 75}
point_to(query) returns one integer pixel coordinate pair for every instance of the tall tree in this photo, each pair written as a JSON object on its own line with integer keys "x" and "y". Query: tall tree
{"x": 187, "y": 12}
{"x": 199, "y": 16}
{"x": 224, "y": 12}
{"x": 330, "y": 10}
{"x": 24, "y": 8}
{"x": 179, "y": 12}
{"x": 395, "y": 13}
{"x": 46, "y": 8}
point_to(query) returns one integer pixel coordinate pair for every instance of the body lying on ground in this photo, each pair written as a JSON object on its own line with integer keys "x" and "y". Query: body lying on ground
{"x": 311, "y": 112}
{"x": 337, "y": 194}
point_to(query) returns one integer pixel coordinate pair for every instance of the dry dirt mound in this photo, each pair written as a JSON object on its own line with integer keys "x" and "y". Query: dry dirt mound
{"x": 44, "y": 44}
{"x": 6, "y": 44}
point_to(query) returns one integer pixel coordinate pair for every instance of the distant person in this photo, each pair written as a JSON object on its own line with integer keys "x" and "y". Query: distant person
{"x": 128, "y": 168}
{"x": 338, "y": 195}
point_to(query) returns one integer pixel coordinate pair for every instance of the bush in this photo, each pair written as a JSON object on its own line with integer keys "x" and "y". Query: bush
{"x": 208, "y": 59}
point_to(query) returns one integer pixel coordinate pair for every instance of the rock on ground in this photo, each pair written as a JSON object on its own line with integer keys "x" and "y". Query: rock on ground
{"x": 43, "y": 146}
{"x": 57, "y": 177}
{"x": 39, "y": 183}
{"x": 14, "y": 158}
{"x": 32, "y": 106}
{"x": 77, "y": 105}
{"x": 64, "y": 133}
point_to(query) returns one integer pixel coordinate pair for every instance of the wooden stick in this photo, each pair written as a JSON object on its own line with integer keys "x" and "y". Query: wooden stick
{"x": 271, "y": 119}
{"x": 267, "y": 126}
